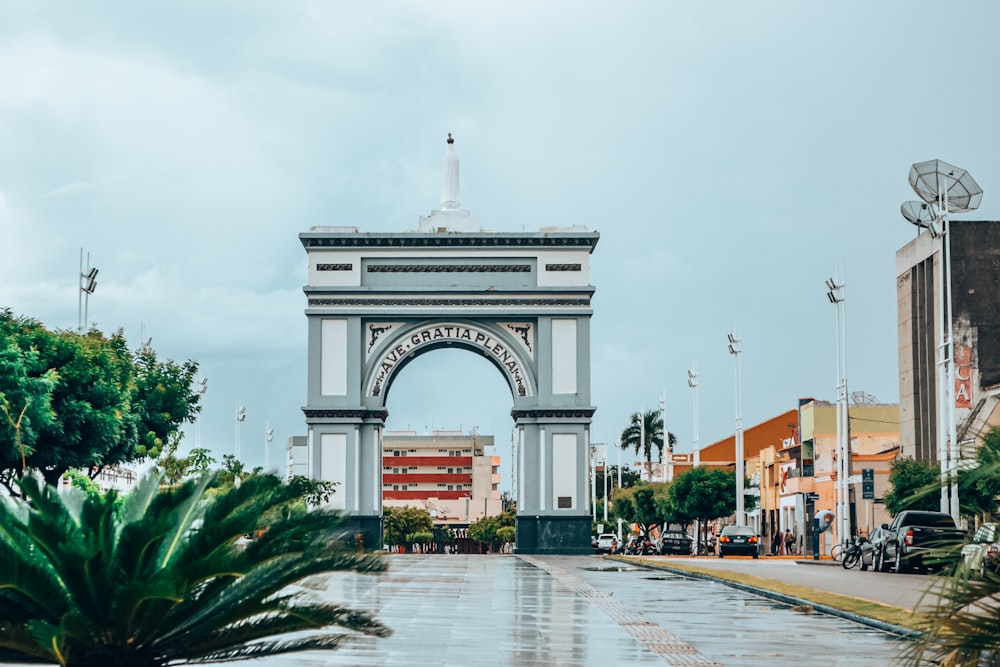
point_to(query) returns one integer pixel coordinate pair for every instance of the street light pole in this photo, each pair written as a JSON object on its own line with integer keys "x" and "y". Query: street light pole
{"x": 87, "y": 283}
{"x": 241, "y": 414}
{"x": 268, "y": 436}
{"x": 200, "y": 387}
{"x": 619, "y": 488}
{"x": 693, "y": 383}
{"x": 667, "y": 472}
{"x": 736, "y": 349}
{"x": 837, "y": 295}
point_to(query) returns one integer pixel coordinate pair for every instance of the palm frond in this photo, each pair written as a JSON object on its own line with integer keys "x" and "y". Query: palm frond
{"x": 161, "y": 578}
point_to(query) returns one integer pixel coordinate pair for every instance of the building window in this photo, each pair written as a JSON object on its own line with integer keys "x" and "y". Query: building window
{"x": 451, "y": 487}
{"x": 395, "y": 487}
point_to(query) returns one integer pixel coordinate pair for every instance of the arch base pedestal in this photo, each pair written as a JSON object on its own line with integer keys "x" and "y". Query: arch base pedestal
{"x": 557, "y": 535}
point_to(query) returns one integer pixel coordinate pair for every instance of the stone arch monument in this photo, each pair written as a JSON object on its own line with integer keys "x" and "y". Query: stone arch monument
{"x": 376, "y": 301}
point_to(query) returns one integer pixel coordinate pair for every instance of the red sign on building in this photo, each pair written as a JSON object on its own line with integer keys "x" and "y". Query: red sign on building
{"x": 963, "y": 376}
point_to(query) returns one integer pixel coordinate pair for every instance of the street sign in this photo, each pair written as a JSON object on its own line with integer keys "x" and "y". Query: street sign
{"x": 867, "y": 483}
{"x": 812, "y": 497}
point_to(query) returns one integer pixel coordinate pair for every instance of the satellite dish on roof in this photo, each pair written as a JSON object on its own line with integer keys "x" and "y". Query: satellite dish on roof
{"x": 952, "y": 188}
{"x": 920, "y": 214}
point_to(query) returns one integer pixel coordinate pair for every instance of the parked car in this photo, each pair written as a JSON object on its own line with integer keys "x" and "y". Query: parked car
{"x": 605, "y": 542}
{"x": 675, "y": 542}
{"x": 916, "y": 539}
{"x": 738, "y": 540}
{"x": 982, "y": 554}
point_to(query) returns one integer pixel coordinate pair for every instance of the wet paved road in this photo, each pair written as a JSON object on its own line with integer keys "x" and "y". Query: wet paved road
{"x": 578, "y": 611}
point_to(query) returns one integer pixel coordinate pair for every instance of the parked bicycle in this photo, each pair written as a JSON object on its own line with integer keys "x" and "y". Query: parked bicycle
{"x": 853, "y": 553}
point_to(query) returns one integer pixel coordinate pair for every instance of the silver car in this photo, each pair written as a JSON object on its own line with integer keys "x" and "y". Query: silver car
{"x": 983, "y": 553}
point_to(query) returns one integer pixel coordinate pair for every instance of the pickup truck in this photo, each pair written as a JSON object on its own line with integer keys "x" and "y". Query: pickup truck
{"x": 911, "y": 537}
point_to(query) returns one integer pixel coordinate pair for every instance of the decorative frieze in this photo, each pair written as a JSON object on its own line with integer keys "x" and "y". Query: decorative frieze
{"x": 449, "y": 268}
{"x": 563, "y": 267}
{"x": 376, "y": 302}
{"x": 360, "y": 414}
{"x": 569, "y": 240}
{"x": 554, "y": 413}
{"x": 334, "y": 267}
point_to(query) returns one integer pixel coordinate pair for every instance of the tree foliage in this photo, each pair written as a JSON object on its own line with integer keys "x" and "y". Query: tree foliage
{"x": 705, "y": 494}
{"x": 645, "y": 504}
{"x": 165, "y": 578}
{"x": 915, "y": 486}
{"x": 978, "y": 492}
{"x": 84, "y": 401}
{"x": 489, "y": 530}
{"x": 398, "y": 522}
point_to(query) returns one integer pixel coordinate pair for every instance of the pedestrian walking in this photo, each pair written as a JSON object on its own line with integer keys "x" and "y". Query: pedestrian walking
{"x": 789, "y": 542}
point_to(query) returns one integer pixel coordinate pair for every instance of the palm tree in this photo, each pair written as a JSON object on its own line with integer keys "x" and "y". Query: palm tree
{"x": 162, "y": 575}
{"x": 644, "y": 432}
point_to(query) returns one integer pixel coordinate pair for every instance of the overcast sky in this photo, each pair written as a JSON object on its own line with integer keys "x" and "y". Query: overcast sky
{"x": 732, "y": 155}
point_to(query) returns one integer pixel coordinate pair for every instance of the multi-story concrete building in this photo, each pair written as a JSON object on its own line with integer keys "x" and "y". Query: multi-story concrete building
{"x": 975, "y": 332}
{"x": 454, "y": 476}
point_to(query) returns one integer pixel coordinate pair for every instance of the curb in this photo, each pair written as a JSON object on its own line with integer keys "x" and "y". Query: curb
{"x": 787, "y": 599}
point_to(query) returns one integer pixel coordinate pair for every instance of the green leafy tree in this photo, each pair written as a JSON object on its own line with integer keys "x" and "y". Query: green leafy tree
{"x": 506, "y": 534}
{"x": 915, "y": 486}
{"x": 173, "y": 468}
{"x": 314, "y": 491}
{"x": 84, "y": 401}
{"x": 487, "y": 529}
{"x": 704, "y": 494}
{"x": 644, "y": 433}
{"x": 398, "y": 522}
{"x": 642, "y": 505}
{"x": 669, "y": 511}
{"x": 422, "y": 537}
{"x": 165, "y": 578}
{"x": 978, "y": 493}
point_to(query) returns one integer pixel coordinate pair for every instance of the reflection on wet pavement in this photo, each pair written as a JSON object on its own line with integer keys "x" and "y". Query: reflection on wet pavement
{"x": 576, "y": 611}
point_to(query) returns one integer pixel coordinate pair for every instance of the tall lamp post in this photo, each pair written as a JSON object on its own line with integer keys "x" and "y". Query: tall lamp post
{"x": 943, "y": 189}
{"x": 736, "y": 349}
{"x": 693, "y": 383}
{"x": 837, "y": 294}
{"x": 666, "y": 471}
{"x": 268, "y": 436}
{"x": 241, "y": 415}
{"x": 200, "y": 387}
{"x": 88, "y": 283}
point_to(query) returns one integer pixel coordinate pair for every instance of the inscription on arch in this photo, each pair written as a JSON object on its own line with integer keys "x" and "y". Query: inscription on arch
{"x": 464, "y": 334}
